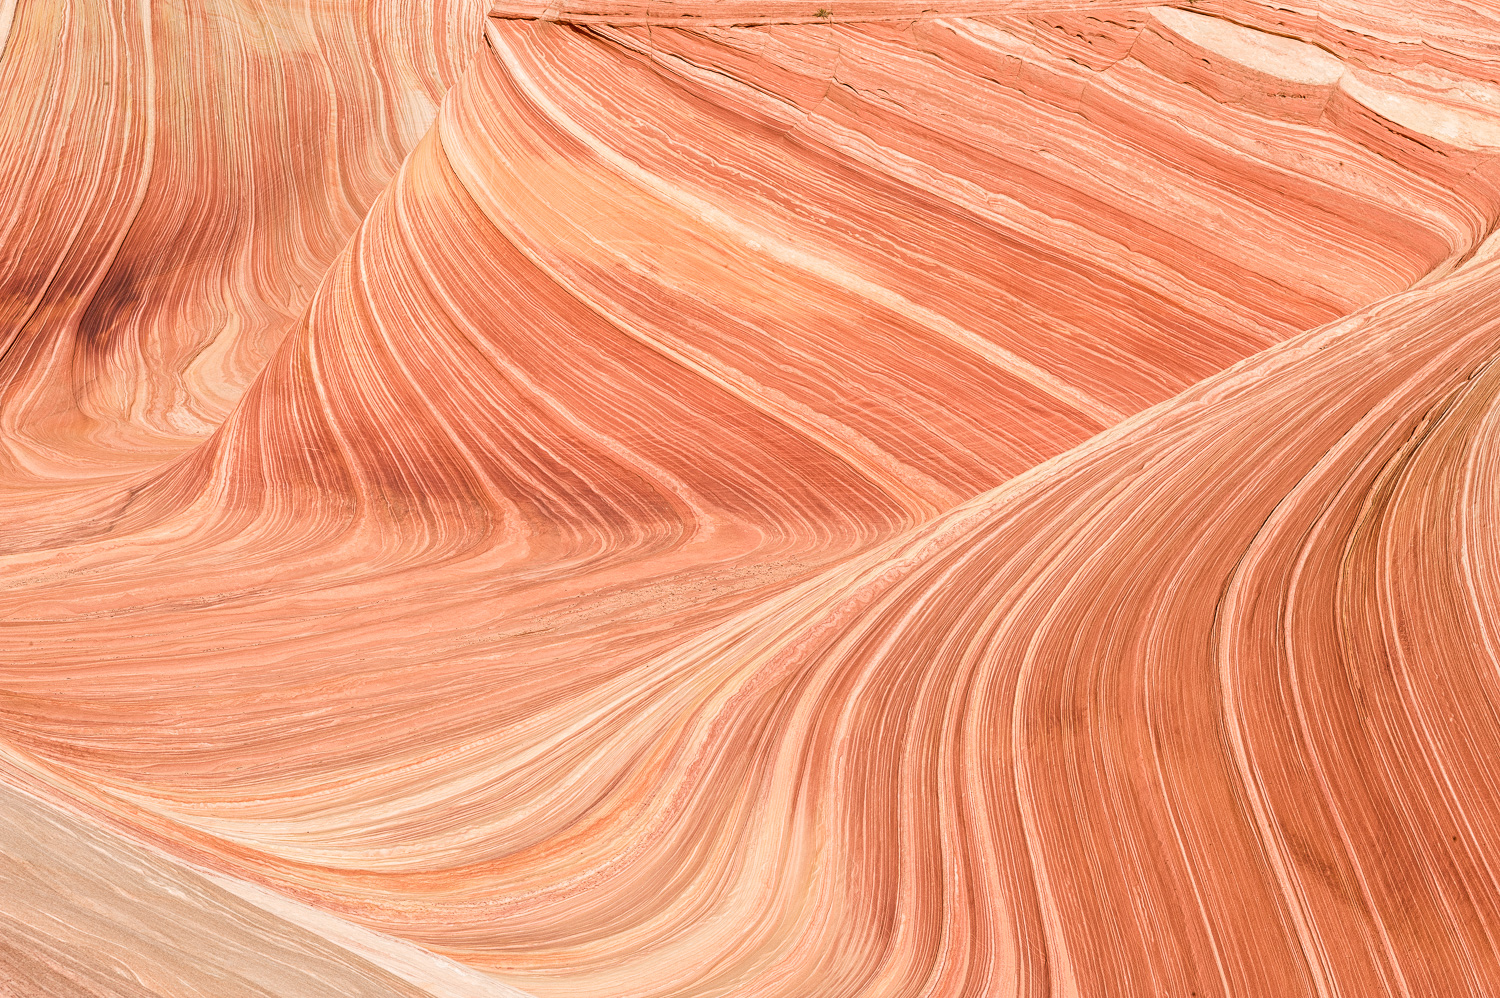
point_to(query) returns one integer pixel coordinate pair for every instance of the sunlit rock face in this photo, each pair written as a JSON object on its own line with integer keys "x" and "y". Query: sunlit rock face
{"x": 699, "y": 499}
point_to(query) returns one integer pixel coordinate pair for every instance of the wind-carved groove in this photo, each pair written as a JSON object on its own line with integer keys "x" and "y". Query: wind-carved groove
{"x": 651, "y": 500}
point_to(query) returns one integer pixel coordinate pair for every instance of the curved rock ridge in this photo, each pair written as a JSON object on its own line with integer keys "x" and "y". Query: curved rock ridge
{"x": 178, "y": 178}
{"x": 951, "y": 505}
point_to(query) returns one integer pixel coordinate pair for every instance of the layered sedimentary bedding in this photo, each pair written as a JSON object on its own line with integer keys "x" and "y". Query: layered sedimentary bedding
{"x": 690, "y": 499}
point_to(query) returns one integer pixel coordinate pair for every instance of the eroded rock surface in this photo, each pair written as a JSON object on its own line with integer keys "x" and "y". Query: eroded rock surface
{"x": 703, "y": 499}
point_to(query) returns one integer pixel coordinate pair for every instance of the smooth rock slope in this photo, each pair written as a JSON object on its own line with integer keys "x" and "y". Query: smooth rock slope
{"x": 706, "y": 499}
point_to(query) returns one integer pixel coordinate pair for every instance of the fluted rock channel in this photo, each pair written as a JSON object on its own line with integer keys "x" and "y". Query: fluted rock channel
{"x": 725, "y": 498}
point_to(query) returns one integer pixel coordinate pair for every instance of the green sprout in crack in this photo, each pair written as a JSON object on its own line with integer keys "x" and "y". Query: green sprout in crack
{"x": 824, "y": 13}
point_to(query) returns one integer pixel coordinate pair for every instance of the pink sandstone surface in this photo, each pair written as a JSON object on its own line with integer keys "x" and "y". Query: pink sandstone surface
{"x": 726, "y": 498}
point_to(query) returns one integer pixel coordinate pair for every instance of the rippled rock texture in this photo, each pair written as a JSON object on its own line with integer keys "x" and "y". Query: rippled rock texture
{"x": 725, "y": 498}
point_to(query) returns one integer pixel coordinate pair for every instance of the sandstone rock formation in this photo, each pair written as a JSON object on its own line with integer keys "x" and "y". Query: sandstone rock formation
{"x": 710, "y": 498}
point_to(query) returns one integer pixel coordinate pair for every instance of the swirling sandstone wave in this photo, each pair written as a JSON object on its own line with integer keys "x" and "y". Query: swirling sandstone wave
{"x": 177, "y": 178}
{"x": 760, "y": 508}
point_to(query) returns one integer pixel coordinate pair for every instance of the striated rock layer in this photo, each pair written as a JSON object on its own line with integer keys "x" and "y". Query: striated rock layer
{"x": 962, "y": 501}
{"x": 177, "y": 179}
